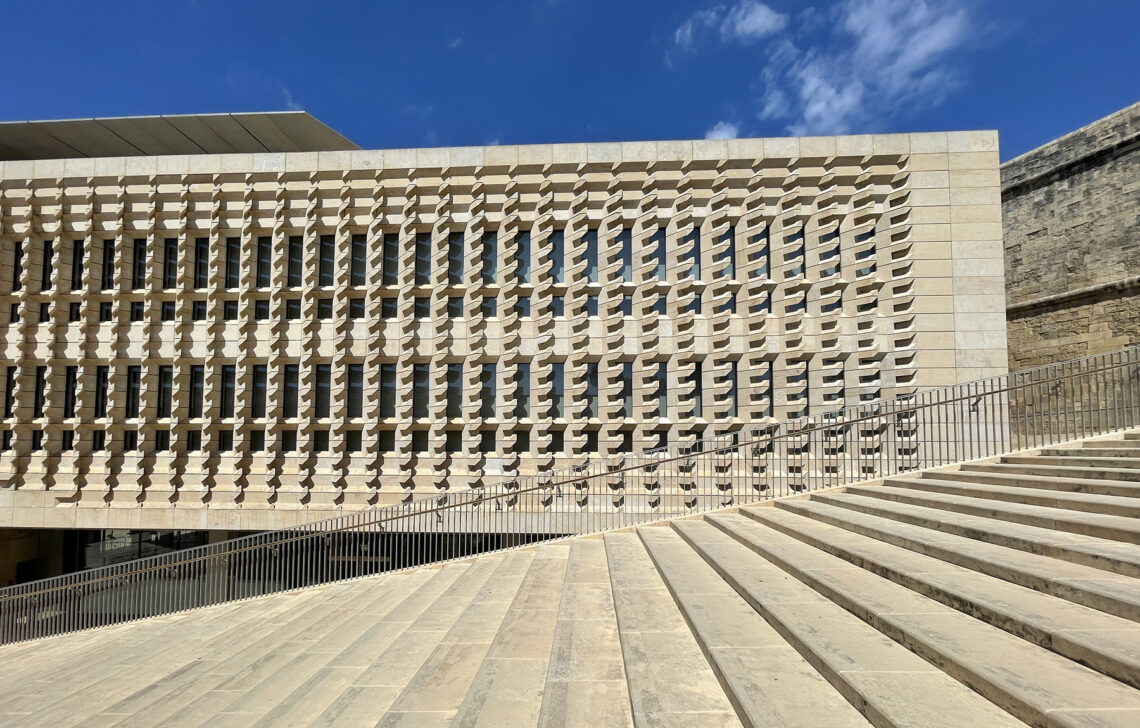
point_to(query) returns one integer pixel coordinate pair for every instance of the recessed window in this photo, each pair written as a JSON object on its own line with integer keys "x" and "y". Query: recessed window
{"x": 261, "y": 309}
{"x": 320, "y": 440}
{"x": 455, "y": 307}
{"x": 489, "y": 307}
{"x": 198, "y": 311}
{"x": 387, "y": 440}
{"x": 136, "y": 311}
{"x": 454, "y": 442}
{"x": 419, "y": 441}
{"x": 168, "y": 310}
{"x": 557, "y": 441}
{"x": 6, "y": 440}
{"x": 522, "y": 442}
{"x": 256, "y": 440}
{"x": 288, "y": 441}
{"x": 324, "y": 308}
{"x": 352, "y": 441}
{"x": 14, "y": 314}
{"x": 67, "y": 440}
{"x": 627, "y": 305}
{"x": 194, "y": 441}
{"x": 557, "y": 305}
{"x": 591, "y": 441}
{"x": 225, "y": 440}
{"x": 591, "y": 305}
{"x": 45, "y": 313}
{"x": 356, "y": 308}
{"x": 229, "y": 310}
{"x": 626, "y": 442}
{"x": 293, "y": 309}
{"x": 423, "y": 307}
{"x": 161, "y": 440}
{"x": 37, "y": 439}
{"x": 73, "y": 311}
{"x": 388, "y": 308}
{"x": 522, "y": 306}
{"x": 130, "y": 440}
{"x": 487, "y": 441}
{"x": 104, "y": 311}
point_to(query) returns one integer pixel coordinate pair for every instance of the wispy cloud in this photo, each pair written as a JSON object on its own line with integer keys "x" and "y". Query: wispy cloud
{"x": 857, "y": 65}
{"x": 745, "y": 21}
{"x": 290, "y": 102}
{"x": 418, "y": 109}
{"x": 454, "y": 43}
{"x": 723, "y": 130}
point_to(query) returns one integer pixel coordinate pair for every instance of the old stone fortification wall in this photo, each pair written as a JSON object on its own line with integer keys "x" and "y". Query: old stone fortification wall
{"x": 1071, "y": 213}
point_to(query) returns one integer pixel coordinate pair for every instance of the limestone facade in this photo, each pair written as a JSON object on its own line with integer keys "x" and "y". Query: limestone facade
{"x": 1072, "y": 243}
{"x": 253, "y": 340}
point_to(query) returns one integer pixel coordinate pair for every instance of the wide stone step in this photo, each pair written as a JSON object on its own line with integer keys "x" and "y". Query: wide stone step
{"x": 889, "y": 684}
{"x": 1090, "y": 503}
{"x": 1110, "y": 556}
{"x": 1035, "y": 684}
{"x": 1110, "y": 593}
{"x": 1091, "y": 452}
{"x": 767, "y": 681}
{"x": 1117, "y": 442}
{"x": 1128, "y": 476}
{"x": 1115, "y": 528}
{"x": 508, "y": 686}
{"x": 1104, "y": 642}
{"x": 1078, "y": 461}
{"x": 670, "y": 680}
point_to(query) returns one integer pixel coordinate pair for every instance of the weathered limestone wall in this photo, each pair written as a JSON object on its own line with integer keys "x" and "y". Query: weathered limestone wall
{"x": 1072, "y": 243}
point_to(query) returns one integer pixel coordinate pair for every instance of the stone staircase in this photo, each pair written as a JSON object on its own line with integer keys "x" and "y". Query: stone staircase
{"x": 998, "y": 593}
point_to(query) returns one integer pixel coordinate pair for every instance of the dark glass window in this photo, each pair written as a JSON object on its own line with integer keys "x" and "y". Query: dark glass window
{"x": 264, "y": 260}
{"x": 522, "y": 442}
{"x": 625, "y": 243}
{"x": 45, "y": 265}
{"x": 359, "y": 264}
{"x": 322, "y": 398}
{"x": 201, "y": 261}
{"x": 324, "y": 308}
{"x": 105, "y": 311}
{"x": 591, "y": 441}
{"x": 320, "y": 441}
{"x": 260, "y": 373}
{"x": 76, "y": 265}
{"x": 293, "y": 309}
{"x": 557, "y": 306}
{"x": 627, "y": 389}
{"x": 388, "y": 308}
{"x": 591, "y": 305}
{"x": 14, "y": 314}
{"x": 71, "y": 379}
{"x": 420, "y": 390}
{"x": 45, "y": 313}
{"x": 455, "y": 307}
{"x": 557, "y": 256}
{"x": 592, "y": 389}
{"x": 67, "y": 440}
{"x": 391, "y": 259}
{"x": 229, "y": 385}
{"x": 288, "y": 441}
{"x": 296, "y": 260}
{"x": 256, "y": 440}
{"x": 134, "y": 380}
{"x": 387, "y": 440}
{"x": 423, "y": 259}
{"x": 455, "y": 258}
{"x": 355, "y": 390}
{"x": 6, "y": 440}
{"x": 10, "y": 391}
{"x": 130, "y": 440}
{"x": 626, "y": 444}
{"x": 170, "y": 263}
{"x": 454, "y": 390}
{"x": 18, "y": 265}
{"x": 489, "y": 307}
{"x": 101, "y": 374}
{"x": 198, "y": 311}
{"x": 661, "y": 382}
{"x": 658, "y": 241}
{"x": 695, "y": 253}
{"x": 487, "y": 391}
{"x": 557, "y": 441}
{"x": 522, "y": 306}
{"x": 422, "y": 307}
{"x": 138, "y": 264}
{"x": 454, "y": 441}
{"x": 291, "y": 378}
{"x": 591, "y": 240}
{"x": 41, "y": 384}
{"x": 197, "y": 390}
{"x": 522, "y": 391}
{"x": 419, "y": 441}
{"x": 388, "y": 390}
{"x": 73, "y": 311}
{"x": 487, "y": 441}
{"x": 356, "y": 308}
{"x": 557, "y": 388}
{"x": 730, "y": 253}
{"x": 193, "y": 440}
{"x": 352, "y": 441}
{"x": 698, "y": 398}
{"x": 522, "y": 256}
{"x": 108, "y": 272}
{"x": 161, "y": 440}
{"x": 165, "y": 390}
{"x": 261, "y": 309}
{"x": 489, "y": 257}
{"x": 229, "y": 310}
{"x": 98, "y": 440}
{"x": 627, "y": 305}
{"x": 233, "y": 261}
{"x": 326, "y": 269}
{"x": 136, "y": 311}
{"x": 225, "y": 440}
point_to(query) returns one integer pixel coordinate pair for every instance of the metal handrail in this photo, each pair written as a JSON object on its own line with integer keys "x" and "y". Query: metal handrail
{"x": 959, "y": 422}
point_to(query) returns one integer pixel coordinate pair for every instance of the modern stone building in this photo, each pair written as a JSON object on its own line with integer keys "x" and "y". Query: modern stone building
{"x": 245, "y": 340}
{"x": 1072, "y": 243}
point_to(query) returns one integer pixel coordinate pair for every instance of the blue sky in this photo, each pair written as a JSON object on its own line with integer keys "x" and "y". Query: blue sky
{"x": 396, "y": 74}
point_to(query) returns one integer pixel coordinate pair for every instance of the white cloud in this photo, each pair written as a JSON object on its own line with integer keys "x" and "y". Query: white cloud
{"x": 290, "y": 102}
{"x": 455, "y": 43}
{"x": 745, "y": 21}
{"x": 883, "y": 58}
{"x": 723, "y": 130}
